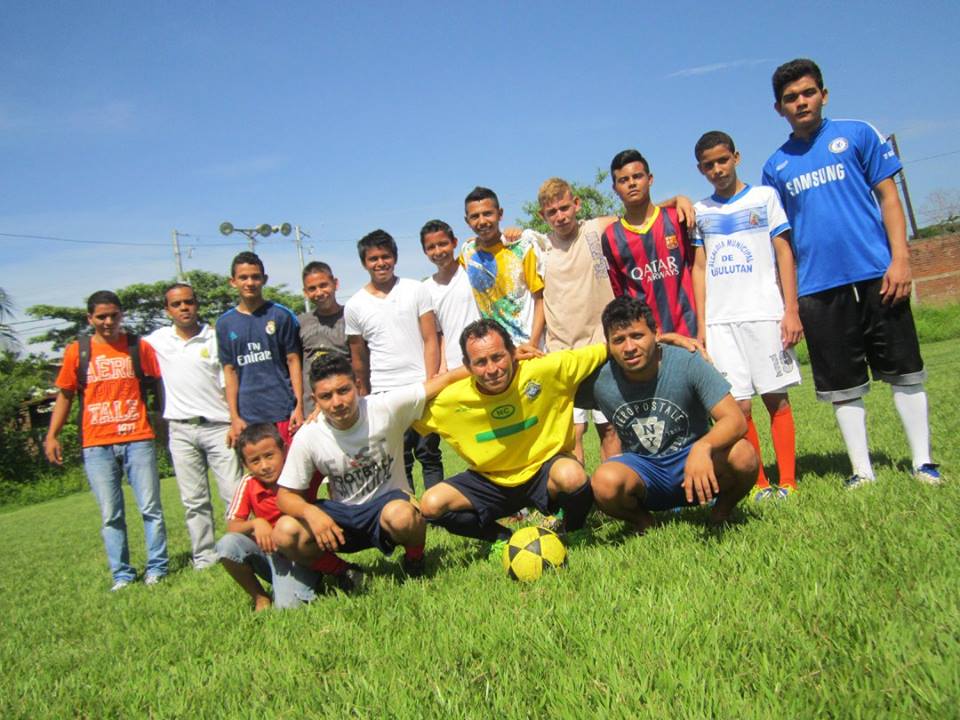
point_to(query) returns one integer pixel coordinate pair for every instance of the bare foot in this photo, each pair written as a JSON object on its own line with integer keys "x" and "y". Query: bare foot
{"x": 261, "y": 603}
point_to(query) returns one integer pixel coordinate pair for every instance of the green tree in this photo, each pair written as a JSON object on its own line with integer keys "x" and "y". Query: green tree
{"x": 24, "y": 378}
{"x": 596, "y": 201}
{"x": 8, "y": 337}
{"x": 143, "y": 306}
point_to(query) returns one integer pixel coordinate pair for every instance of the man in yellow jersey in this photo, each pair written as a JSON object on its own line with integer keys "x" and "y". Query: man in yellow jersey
{"x": 510, "y": 421}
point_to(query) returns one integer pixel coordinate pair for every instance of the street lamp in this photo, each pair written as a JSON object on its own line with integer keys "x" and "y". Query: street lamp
{"x": 227, "y": 228}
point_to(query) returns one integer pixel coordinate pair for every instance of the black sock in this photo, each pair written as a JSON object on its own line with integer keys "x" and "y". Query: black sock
{"x": 467, "y": 524}
{"x": 576, "y": 505}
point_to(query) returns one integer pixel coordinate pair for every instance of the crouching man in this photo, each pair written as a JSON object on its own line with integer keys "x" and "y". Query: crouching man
{"x": 661, "y": 399}
{"x": 357, "y": 444}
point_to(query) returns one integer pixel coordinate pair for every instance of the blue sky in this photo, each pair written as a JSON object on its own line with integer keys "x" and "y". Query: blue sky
{"x": 121, "y": 121}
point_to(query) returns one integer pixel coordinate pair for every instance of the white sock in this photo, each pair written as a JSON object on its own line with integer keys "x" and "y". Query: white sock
{"x": 911, "y": 403}
{"x": 852, "y": 419}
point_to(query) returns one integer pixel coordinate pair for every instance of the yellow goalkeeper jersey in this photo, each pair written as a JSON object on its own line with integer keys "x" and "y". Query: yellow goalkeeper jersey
{"x": 507, "y": 437}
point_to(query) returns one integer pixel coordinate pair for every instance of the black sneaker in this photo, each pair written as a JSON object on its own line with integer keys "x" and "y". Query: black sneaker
{"x": 414, "y": 568}
{"x": 352, "y": 580}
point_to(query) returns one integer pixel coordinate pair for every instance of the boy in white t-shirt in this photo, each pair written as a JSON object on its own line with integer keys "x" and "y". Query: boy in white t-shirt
{"x": 356, "y": 445}
{"x": 742, "y": 247}
{"x": 449, "y": 289}
{"x": 392, "y": 333}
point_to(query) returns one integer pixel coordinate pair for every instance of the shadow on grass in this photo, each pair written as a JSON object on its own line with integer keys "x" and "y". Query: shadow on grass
{"x": 180, "y": 562}
{"x": 837, "y": 463}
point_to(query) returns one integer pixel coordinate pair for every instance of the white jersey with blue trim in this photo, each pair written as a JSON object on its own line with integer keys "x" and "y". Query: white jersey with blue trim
{"x": 736, "y": 234}
{"x": 826, "y": 186}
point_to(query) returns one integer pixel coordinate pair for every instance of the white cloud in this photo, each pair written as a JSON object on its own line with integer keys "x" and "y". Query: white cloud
{"x": 716, "y": 67}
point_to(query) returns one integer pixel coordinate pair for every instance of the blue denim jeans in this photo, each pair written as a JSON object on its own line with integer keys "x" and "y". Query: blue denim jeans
{"x": 293, "y": 584}
{"x": 105, "y": 466}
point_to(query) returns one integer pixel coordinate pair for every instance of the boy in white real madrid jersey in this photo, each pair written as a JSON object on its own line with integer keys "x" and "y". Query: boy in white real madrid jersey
{"x": 741, "y": 246}
{"x": 835, "y": 180}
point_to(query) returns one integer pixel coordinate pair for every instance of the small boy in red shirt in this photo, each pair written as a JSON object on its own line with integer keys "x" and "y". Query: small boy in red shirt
{"x": 248, "y": 551}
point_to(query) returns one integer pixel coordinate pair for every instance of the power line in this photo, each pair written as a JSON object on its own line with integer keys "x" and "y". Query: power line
{"x": 81, "y": 242}
{"x": 22, "y": 236}
{"x": 932, "y": 157}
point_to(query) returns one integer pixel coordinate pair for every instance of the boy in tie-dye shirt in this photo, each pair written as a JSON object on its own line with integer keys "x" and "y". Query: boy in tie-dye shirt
{"x": 506, "y": 279}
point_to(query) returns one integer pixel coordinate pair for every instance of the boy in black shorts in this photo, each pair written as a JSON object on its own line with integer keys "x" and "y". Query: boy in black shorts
{"x": 835, "y": 180}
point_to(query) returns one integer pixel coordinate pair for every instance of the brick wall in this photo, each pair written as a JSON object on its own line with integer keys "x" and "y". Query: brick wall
{"x": 936, "y": 269}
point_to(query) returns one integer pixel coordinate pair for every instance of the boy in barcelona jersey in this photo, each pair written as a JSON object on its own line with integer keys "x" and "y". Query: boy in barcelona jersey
{"x": 648, "y": 252}
{"x": 741, "y": 250}
{"x": 835, "y": 180}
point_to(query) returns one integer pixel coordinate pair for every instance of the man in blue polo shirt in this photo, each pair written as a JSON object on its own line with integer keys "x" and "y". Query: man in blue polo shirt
{"x": 835, "y": 180}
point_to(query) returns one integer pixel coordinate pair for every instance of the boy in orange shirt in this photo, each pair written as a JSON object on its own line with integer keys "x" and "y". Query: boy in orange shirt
{"x": 116, "y": 435}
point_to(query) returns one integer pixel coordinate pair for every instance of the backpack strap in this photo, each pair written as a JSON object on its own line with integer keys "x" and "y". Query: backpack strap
{"x": 83, "y": 366}
{"x": 83, "y": 362}
{"x": 133, "y": 347}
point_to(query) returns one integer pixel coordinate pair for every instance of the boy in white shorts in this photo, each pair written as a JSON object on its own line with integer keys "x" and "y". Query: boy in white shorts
{"x": 742, "y": 247}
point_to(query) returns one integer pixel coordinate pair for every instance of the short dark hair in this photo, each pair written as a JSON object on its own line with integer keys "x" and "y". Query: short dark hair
{"x": 624, "y": 311}
{"x": 316, "y": 266}
{"x": 246, "y": 258}
{"x": 710, "y": 140}
{"x": 103, "y": 297}
{"x": 480, "y": 329}
{"x": 432, "y": 226}
{"x": 792, "y": 71}
{"x": 480, "y": 193}
{"x": 255, "y": 433}
{"x": 377, "y": 240}
{"x": 177, "y": 286}
{"x": 327, "y": 364}
{"x": 625, "y": 157}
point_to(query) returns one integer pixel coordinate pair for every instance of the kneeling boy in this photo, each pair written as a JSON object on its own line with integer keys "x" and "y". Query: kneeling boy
{"x": 248, "y": 550}
{"x": 660, "y": 400}
{"x": 358, "y": 445}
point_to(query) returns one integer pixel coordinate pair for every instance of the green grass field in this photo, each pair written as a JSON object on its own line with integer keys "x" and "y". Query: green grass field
{"x": 834, "y": 604}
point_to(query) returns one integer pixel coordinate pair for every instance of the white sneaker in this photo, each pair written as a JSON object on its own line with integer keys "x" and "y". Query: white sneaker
{"x": 152, "y": 579}
{"x": 120, "y": 585}
{"x": 929, "y": 474}
{"x": 855, "y": 481}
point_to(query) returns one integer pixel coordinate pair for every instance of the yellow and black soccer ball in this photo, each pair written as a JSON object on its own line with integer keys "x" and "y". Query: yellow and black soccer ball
{"x": 532, "y": 550}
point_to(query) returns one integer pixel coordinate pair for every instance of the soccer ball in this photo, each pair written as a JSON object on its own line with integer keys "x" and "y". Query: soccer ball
{"x": 532, "y": 550}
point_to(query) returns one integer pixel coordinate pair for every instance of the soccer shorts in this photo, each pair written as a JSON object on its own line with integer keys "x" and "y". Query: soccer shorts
{"x": 361, "y": 523}
{"x": 661, "y": 476}
{"x": 751, "y": 357}
{"x": 580, "y": 416}
{"x": 492, "y": 502}
{"x": 849, "y": 329}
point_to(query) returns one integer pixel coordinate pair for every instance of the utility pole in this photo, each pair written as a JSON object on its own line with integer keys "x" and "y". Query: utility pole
{"x": 178, "y": 261}
{"x": 300, "y": 234}
{"x": 903, "y": 186}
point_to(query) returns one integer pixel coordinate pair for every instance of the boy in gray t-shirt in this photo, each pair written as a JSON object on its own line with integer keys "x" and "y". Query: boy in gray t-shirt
{"x": 660, "y": 400}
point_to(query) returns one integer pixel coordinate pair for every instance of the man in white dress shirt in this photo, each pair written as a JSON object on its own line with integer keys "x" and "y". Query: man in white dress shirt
{"x": 196, "y": 408}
